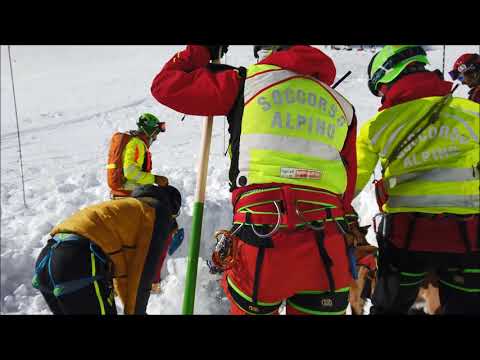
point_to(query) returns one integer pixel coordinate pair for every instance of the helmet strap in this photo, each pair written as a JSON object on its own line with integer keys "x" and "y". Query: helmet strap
{"x": 414, "y": 68}
{"x": 410, "y": 69}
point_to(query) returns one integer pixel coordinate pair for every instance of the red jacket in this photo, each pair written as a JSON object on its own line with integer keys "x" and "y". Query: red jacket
{"x": 187, "y": 86}
{"x": 412, "y": 87}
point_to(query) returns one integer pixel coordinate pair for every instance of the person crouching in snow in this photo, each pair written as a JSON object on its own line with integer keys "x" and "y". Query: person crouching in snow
{"x": 467, "y": 70}
{"x": 292, "y": 174}
{"x": 129, "y": 158}
{"x": 113, "y": 243}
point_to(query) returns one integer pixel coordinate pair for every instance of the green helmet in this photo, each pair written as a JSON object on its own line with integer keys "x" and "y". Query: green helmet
{"x": 390, "y": 62}
{"x": 149, "y": 124}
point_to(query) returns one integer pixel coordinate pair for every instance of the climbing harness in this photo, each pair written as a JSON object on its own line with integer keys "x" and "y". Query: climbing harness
{"x": 288, "y": 207}
{"x": 59, "y": 289}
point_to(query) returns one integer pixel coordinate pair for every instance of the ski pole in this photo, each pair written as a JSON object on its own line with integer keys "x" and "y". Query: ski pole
{"x": 18, "y": 128}
{"x": 443, "y": 70}
{"x": 341, "y": 79}
{"x": 194, "y": 244}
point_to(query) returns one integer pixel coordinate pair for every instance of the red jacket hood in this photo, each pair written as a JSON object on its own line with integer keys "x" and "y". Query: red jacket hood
{"x": 305, "y": 60}
{"x": 415, "y": 86}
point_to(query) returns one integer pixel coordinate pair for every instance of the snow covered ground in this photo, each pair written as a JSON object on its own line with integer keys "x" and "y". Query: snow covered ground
{"x": 70, "y": 101}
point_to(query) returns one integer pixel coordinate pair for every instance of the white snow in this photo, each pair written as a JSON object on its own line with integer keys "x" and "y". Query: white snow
{"x": 70, "y": 101}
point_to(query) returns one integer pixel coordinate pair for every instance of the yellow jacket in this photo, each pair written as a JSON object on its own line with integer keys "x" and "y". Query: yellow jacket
{"x": 124, "y": 230}
{"x": 439, "y": 171}
{"x": 137, "y": 164}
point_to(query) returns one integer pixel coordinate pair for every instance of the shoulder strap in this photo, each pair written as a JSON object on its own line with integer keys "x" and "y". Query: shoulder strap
{"x": 223, "y": 67}
{"x": 131, "y": 133}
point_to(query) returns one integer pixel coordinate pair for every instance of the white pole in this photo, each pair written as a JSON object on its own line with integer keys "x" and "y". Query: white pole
{"x": 197, "y": 218}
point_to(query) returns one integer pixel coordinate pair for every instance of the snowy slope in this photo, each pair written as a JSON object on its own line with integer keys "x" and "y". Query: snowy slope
{"x": 70, "y": 100}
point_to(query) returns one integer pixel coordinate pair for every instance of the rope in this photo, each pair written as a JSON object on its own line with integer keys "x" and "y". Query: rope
{"x": 18, "y": 128}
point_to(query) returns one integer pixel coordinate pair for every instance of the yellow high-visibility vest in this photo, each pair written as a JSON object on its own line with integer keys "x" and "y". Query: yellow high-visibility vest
{"x": 438, "y": 172}
{"x": 293, "y": 129}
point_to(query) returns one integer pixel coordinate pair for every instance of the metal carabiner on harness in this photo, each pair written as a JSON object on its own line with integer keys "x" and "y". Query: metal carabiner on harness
{"x": 376, "y": 226}
{"x": 224, "y": 254}
{"x": 308, "y": 224}
{"x": 275, "y": 229}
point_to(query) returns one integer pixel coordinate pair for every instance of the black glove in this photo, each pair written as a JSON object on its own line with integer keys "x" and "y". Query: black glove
{"x": 215, "y": 51}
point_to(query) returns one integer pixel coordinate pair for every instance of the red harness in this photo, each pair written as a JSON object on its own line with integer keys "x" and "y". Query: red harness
{"x": 296, "y": 205}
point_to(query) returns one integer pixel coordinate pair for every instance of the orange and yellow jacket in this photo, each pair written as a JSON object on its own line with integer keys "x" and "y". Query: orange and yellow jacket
{"x": 137, "y": 163}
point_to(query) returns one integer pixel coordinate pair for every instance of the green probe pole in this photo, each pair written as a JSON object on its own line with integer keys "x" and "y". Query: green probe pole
{"x": 194, "y": 246}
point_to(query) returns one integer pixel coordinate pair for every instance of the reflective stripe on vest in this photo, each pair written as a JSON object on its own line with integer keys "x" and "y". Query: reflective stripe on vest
{"x": 435, "y": 201}
{"x": 293, "y": 130}
{"x": 255, "y": 84}
{"x": 294, "y": 146}
{"x": 435, "y": 175}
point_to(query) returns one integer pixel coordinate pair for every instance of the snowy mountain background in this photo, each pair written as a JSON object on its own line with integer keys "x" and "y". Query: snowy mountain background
{"x": 70, "y": 100}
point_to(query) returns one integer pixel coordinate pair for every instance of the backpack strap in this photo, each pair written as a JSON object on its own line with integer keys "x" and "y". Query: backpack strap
{"x": 242, "y": 72}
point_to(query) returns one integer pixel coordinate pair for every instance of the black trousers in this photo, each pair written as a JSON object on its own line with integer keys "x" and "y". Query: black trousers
{"x": 401, "y": 273}
{"x": 74, "y": 260}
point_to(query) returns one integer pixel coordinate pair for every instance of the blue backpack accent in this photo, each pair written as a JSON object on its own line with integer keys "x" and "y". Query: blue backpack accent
{"x": 176, "y": 241}
{"x": 353, "y": 262}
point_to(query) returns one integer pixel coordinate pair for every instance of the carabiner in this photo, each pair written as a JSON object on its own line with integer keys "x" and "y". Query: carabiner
{"x": 374, "y": 220}
{"x": 275, "y": 229}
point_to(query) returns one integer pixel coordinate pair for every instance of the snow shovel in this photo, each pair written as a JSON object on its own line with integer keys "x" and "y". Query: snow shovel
{"x": 196, "y": 232}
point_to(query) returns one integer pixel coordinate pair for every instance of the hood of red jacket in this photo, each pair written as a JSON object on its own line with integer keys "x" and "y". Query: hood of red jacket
{"x": 412, "y": 87}
{"x": 304, "y": 60}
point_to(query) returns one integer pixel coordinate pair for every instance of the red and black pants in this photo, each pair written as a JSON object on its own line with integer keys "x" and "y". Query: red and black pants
{"x": 304, "y": 262}
{"x": 406, "y": 256}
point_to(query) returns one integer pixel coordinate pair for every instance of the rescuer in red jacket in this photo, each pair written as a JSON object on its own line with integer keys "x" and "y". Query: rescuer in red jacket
{"x": 292, "y": 174}
{"x": 467, "y": 70}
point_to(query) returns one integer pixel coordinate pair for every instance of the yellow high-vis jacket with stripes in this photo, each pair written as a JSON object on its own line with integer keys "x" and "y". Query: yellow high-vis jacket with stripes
{"x": 439, "y": 171}
{"x": 137, "y": 164}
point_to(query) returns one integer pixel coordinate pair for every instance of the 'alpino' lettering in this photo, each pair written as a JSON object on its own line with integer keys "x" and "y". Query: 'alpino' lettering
{"x": 302, "y": 123}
